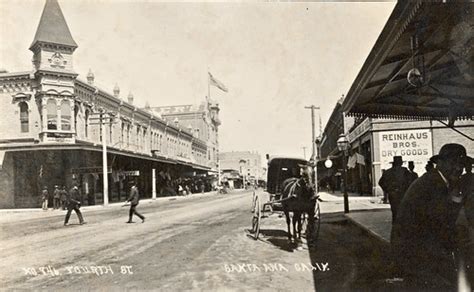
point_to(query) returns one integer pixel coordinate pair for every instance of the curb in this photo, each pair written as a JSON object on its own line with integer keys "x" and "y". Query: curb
{"x": 368, "y": 231}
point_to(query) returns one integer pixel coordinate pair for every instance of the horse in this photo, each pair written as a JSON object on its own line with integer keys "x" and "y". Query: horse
{"x": 299, "y": 197}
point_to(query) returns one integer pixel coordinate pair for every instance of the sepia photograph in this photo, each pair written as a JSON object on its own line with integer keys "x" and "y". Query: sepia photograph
{"x": 150, "y": 145}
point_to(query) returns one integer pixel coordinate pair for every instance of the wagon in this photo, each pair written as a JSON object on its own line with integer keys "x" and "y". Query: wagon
{"x": 270, "y": 201}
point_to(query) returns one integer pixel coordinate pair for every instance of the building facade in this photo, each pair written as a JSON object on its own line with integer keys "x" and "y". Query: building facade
{"x": 374, "y": 143}
{"x": 54, "y": 124}
{"x": 203, "y": 122}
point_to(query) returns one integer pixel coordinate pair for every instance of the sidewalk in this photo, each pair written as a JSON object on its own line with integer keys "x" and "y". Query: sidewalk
{"x": 11, "y": 215}
{"x": 377, "y": 223}
{"x": 376, "y": 219}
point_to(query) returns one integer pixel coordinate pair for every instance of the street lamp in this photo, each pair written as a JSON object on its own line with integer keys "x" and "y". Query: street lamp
{"x": 343, "y": 146}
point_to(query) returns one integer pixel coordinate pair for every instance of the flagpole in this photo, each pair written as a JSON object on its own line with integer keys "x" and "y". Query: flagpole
{"x": 208, "y": 87}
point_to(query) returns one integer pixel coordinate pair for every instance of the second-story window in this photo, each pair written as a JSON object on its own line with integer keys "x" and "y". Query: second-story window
{"x": 65, "y": 116}
{"x": 52, "y": 115}
{"x": 24, "y": 117}
{"x": 86, "y": 123}
{"x": 76, "y": 111}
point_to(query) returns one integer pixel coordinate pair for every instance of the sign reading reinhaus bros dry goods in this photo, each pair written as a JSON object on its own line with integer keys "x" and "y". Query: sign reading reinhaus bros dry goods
{"x": 412, "y": 145}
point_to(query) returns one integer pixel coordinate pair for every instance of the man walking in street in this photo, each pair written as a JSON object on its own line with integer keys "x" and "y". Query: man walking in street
{"x": 74, "y": 203}
{"x": 134, "y": 199}
{"x": 395, "y": 182}
{"x": 424, "y": 237}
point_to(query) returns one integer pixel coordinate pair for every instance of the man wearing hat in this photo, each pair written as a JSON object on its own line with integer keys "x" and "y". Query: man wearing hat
{"x": 44, "y": 198}
{"x": 423, "y": 239}
{"x": 56, "y": 197}
{"x": 74, "y": 203}
{"x": 134, "y": 199}
{"x": 394, "y": 182}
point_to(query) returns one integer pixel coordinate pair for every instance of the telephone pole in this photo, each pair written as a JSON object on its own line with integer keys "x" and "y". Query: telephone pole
{"x": 304, "y": 152}
{"x": 314, "y": 158}
{"x": 313, "y": 141}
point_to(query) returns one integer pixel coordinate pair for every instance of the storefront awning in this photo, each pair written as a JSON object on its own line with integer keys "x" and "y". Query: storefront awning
{"x": 421, "y": 66}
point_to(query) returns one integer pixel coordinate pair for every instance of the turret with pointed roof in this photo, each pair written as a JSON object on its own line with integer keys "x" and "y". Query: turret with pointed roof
{"x": 52, "y": 28}
{"x": 53, "y": 45}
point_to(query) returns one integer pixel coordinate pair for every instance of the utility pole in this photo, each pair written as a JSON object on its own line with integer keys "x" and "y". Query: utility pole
{"x": 314, "y": 157}
{"x": 304, "y": 152}
{"x": 103, "y": 118}
{"x": 313, "y": 141}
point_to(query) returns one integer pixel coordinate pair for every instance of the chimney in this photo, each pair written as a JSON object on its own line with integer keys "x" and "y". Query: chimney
{"x": 117, "y": 91}
{"x": 90, "y": 77}
{"x": 130, "y": 98}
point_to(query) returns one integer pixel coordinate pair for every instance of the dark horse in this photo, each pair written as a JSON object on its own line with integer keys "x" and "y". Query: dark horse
{"x": 299, "y": 197}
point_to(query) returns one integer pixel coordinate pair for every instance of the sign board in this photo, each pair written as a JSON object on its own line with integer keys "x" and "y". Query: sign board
{"x": 411, "y": 145}
{"x": 130, "y": 173}
{"x": 83, "y": 170}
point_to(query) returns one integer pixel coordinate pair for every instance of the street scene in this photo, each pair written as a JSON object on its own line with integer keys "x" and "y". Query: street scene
{"x": 187, "y": 243}
{"x": 236, "y": 146}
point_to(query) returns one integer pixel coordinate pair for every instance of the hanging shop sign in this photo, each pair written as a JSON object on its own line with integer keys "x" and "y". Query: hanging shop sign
{"x": 84, "y": 170}
{"x": 130, "y": 173}
{"x": 411, "y": 145}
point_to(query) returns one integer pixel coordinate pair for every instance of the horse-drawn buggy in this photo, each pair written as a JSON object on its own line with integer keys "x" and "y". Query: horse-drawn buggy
{"x": 291, "y": 190}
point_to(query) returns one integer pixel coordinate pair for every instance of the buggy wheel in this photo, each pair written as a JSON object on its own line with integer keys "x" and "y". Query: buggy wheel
{"x": 312, "y": 235}
{"x": 257, "y": 216}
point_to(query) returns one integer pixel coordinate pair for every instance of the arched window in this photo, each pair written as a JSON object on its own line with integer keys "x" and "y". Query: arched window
{"x": 86, "y": 124}
{"x": 52, "y": 115}
{"x": 24, "y": 117}
{"x": 65, "y": 116}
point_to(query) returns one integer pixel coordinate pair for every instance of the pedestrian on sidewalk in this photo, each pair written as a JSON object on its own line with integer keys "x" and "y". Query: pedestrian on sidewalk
{"x": 395, "y": 182}
{"x": 411, "y": 171}
{"x": 56, "y": 197}
{"x": 44, "y": 198}
{"x": 74, "y": 203}
{"x": 134, "y": 200}
{"x": 63, "y": 197}
{"x": 424, "y": 237}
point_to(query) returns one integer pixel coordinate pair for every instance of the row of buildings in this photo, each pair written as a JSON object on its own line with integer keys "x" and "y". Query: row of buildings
{"x": 54, "y": 124}
{"x": 412, "y": 95}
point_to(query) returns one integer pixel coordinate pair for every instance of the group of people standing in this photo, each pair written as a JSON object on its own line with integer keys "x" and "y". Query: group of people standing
{"x": 429, "y": 248}
{"x": 59, "y": 197}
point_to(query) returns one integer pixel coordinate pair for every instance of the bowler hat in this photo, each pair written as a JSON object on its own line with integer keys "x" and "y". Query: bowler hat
{"x": 452, "y": 151}
{"x": 397, "y": 159}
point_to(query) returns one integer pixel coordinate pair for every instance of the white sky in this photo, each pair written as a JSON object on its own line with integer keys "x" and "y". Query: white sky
{"x": 275, "y": 58}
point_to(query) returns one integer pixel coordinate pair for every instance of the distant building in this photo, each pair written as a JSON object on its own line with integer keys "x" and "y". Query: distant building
{"x": 202, "y": 121}
{"x": 248, "y": 163}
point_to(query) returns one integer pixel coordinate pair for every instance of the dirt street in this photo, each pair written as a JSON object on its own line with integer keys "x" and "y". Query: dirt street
{"x": 196, "y": 243}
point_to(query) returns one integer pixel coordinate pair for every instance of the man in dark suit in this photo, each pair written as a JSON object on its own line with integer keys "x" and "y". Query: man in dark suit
{"x": 134, "y": 199}
{"x": 411, "y": 172}
{"x": 74, "y": 203}
{"x": 394, "y": 182}
{"x": 423, "y": 239}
